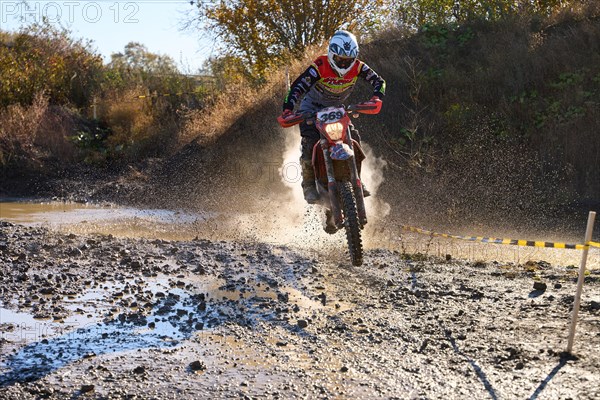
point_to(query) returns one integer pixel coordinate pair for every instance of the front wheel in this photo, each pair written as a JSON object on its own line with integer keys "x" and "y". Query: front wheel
{"x": 351, "y": 223}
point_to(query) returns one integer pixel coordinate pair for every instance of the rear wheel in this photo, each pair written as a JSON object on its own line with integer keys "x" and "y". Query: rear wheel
{"x": 351, "y": 223}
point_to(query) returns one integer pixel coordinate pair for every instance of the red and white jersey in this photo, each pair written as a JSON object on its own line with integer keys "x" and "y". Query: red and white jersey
{"x": 320, "y": 86}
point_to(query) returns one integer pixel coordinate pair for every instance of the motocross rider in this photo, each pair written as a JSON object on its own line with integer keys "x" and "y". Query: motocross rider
{"x": 328, "y": 82}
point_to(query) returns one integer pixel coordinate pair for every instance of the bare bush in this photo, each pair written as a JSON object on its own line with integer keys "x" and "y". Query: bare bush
{"x": 19, "y": 126}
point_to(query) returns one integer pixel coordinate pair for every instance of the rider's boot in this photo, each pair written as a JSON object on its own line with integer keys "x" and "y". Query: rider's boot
{"x": 366, "y": 192}
{"x": 330, "y": 223}
{"x": 308, "y": 182}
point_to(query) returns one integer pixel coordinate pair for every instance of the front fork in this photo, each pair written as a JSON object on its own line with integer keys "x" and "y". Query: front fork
{"x": 332, "y": 187}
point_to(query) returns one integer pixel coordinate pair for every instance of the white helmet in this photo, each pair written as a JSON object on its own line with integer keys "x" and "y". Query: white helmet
{"x": 343, "y": 50}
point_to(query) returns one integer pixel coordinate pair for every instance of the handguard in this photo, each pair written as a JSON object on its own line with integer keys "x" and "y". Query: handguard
{"x": 372, "y": 106}
{"x": 289, "y": 120}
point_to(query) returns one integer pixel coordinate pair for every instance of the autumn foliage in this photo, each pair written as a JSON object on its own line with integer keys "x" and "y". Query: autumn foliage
{"x": 53, "y": 86}
{"x": 44, "y": 60}
{"x": 463, "y": 75}
{"x": 265, "y": 33}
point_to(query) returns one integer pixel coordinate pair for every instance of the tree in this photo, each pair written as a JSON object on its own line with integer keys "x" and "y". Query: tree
{"x": 416, "y": 13}
{"x": 140, "y": 64}
{"x": 40, "y": 58}
{"x": 263, "y": 33}
{"x": 136, "y": 56}
{"x": 138, "y": 67}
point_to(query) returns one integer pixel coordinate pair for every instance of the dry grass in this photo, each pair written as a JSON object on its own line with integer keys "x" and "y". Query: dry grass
{"x": 206, "y": 125}
{"x": 19, "y": 126}
{"x": 56, "y": 128}
{"x": 31, "y": 134}
{"x": 240, "y": 100}
{"x": 130, "y": 119}
{"x": 139, "y": 127}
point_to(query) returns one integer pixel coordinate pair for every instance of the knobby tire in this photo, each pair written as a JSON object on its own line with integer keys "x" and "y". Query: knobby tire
{"x": 351, "y": 223}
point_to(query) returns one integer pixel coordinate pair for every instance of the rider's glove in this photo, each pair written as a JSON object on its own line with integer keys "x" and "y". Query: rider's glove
{"x": 286, "y": 113}
{"x": 374, "y": 99}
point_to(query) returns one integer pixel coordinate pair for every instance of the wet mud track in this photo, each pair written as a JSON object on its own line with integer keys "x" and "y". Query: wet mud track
{"x": 94, "y": 316}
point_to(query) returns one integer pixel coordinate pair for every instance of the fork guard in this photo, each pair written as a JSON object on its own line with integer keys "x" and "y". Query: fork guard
{"x": 332, "y": 187}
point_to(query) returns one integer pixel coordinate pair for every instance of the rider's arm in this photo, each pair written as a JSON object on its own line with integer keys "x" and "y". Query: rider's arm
{"x": 301, "y": 85}
{"x": 375, "y": 80}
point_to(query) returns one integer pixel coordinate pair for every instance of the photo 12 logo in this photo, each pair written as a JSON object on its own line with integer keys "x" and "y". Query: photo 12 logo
{"x": 69, "y": 11}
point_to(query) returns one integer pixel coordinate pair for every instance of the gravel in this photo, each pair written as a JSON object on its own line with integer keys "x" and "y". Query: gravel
{"x": 138, "y": 318}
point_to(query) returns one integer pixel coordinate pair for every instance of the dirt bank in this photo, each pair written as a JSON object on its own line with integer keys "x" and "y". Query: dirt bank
{"x": 139, "y": 318}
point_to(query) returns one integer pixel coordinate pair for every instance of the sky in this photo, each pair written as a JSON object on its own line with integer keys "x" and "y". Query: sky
{"x": 111, "y": 24}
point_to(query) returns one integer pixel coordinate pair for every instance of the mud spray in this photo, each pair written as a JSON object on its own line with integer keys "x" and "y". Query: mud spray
{"x": 286, "y": 218}
{"x": 272, "y": 210}
{"x": 305, "y": 222}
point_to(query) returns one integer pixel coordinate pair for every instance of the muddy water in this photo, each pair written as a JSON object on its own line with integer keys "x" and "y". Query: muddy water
{"x": 98, "y": 304}
{"x": 93, "y": 306}
{"x": 300, "y": 227}
{"x": 303, "y": 231}
{"x": 104, "y": 219}
{"x": 107, "y": 317}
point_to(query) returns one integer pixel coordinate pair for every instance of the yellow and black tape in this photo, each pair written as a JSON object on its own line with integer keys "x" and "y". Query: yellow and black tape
{"x": 513, "y": 242}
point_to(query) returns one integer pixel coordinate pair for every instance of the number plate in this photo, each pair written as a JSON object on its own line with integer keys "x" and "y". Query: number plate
{"x": 330, "y": 114}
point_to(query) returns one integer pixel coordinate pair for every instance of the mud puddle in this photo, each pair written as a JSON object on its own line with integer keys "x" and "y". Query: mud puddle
{"x": 104, "y": 219}
{"x": 303, "y": 229}
{"x": 141, "y": 313}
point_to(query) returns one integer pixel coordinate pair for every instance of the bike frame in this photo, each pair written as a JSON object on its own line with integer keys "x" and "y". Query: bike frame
{"x": 336, "y": 161}
{"x": 326, "y": 118}
{"x": 328, "y": 121}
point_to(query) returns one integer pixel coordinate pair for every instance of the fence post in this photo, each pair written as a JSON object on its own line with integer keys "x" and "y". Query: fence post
{"x": 577, "y": 301}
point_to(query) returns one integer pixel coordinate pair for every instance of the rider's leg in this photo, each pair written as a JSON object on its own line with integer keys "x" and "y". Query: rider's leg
{"x": 310, "y": 136}
{"x": 355, "y": 134}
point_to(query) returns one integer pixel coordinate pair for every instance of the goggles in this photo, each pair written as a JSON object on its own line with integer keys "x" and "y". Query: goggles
{"x": 343, "y": 62}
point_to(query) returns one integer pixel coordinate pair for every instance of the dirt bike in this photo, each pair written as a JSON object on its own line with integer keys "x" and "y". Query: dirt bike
{"x": 337, "y": 161}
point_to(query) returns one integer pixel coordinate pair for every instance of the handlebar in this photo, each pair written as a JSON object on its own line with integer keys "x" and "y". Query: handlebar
{"x": 369, "y": 107}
